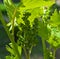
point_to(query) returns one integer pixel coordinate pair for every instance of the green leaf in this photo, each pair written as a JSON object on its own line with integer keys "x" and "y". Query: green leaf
{"x": 43, "y": 30}
{"x": 20, "y": 49}
{"x": 11, "y": 50}
{"x": 35, "y": 7}
{"x": 10, "y": 7}
{"x": 9, "y": 57}
{"x": 35, "y": 13}
{"x": 35, "y": 3}
{"x": 55, "y": 19}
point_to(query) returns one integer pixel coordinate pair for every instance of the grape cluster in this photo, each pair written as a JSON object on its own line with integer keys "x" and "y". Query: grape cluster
{"x": 28, "y": 35}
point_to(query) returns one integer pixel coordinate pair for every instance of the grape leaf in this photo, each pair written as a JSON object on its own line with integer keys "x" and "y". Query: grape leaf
{"x": 55, "y": 19}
